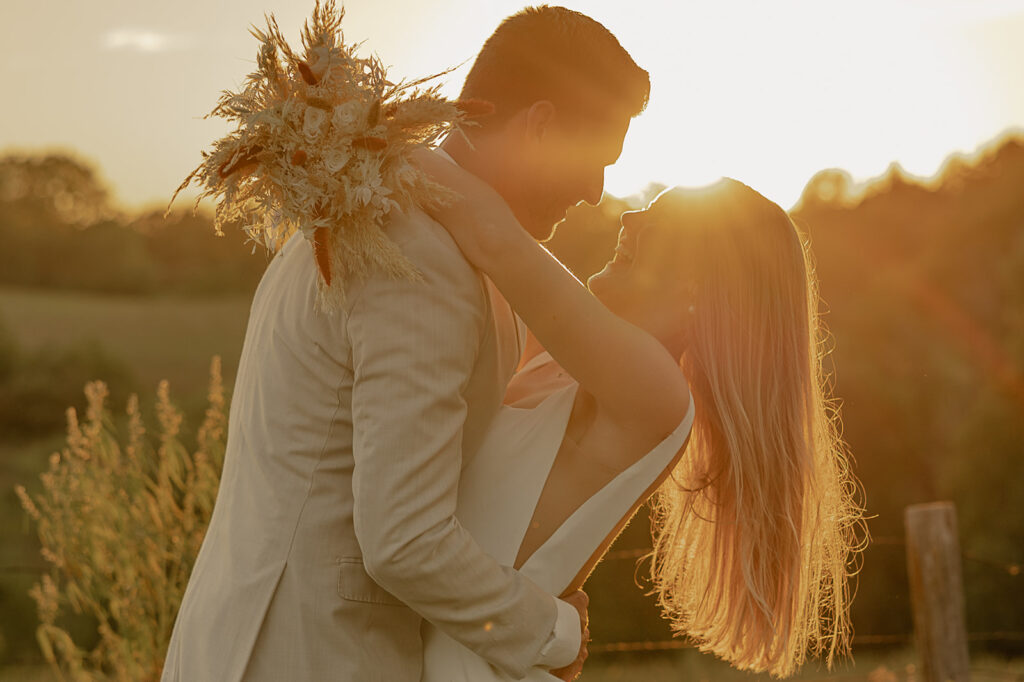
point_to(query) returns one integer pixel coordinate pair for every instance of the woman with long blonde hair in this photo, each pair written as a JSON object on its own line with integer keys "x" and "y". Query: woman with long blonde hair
{"x": 755, "y": 528}
{"x": 691, "y": 371}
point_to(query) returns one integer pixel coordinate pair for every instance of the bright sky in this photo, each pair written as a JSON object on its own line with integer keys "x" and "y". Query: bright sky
{"x": 766, "y": 91}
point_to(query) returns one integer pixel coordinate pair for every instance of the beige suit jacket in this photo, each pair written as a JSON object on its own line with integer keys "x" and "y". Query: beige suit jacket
{"x": 334, "y": 532}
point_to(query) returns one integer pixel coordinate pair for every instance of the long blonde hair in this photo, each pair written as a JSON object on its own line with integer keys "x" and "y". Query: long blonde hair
{"x": 756, "y": 530}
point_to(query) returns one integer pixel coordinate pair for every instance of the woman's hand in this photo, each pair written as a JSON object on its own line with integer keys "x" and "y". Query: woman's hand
{"x": 479, "y": 220}
{"x": 630, "y": 374}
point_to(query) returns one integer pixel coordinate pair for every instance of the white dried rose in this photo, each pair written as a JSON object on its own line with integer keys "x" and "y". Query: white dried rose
{"x": 335, "y": 160}
{"x": 346, "y": 116}
{"x": 312, "y": 121}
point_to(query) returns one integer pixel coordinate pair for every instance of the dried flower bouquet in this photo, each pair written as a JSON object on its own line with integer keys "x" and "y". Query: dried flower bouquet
{"x": 322, "y": 145}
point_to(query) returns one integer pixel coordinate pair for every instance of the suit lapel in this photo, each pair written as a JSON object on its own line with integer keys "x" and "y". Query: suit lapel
{"x": 509, "y": 333}
{"x": 509, "y": 330}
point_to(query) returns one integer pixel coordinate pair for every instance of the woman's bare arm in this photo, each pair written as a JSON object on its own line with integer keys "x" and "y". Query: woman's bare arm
{"x": 630, "y": 374}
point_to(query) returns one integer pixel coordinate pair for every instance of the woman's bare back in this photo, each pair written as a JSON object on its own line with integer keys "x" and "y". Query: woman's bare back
{"x": 592, "y": 452}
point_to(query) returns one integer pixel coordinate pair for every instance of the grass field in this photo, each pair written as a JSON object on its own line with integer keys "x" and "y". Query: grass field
{"x": 174, "y": 338}
{"x": 156, "y": 338}
{"x": 692, "y": 666}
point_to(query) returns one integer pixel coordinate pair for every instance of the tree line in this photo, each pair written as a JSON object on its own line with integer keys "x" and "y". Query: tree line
{"x": 923, "y": 288}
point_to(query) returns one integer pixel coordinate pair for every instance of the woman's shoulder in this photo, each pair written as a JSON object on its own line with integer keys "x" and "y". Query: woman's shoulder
{"x": 619, "y": 445}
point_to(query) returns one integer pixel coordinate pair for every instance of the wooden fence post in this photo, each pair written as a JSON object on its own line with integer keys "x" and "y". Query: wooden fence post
{"x": 936, "y": 591}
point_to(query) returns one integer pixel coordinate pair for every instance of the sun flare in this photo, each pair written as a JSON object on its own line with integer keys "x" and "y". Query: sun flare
{"x": 768, "y": 93}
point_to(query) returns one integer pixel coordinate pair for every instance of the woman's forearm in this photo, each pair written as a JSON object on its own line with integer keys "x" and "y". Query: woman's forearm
{"x": 630, "y": 374}
{"x": 628, "y": 371}
{"x": 484, "y": 232}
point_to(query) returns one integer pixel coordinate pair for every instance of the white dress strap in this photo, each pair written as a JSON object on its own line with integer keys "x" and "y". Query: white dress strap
{"x": 509, "y": 472}
{"x": 537, "y": 360}
{"x": 556, "y": 562}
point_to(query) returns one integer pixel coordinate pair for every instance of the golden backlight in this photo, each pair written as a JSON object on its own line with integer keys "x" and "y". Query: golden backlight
{"x": 766, "y": 92}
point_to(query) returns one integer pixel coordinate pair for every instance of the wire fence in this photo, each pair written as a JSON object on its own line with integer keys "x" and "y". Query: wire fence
{"x": 863, "y": 640}
{"x": 898, "y": 638}
{"x": 1012, "y": 569}
{"x": 1009, "y": 569}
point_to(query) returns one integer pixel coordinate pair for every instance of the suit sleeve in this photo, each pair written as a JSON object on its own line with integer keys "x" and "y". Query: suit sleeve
{"x": 414, "y": 345}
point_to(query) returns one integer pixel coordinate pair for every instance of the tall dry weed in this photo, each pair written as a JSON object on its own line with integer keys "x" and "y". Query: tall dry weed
{"x": 121, "y": 517}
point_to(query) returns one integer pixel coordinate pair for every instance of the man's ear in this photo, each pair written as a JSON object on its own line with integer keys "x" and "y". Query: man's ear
{"x": 539, "y": 119}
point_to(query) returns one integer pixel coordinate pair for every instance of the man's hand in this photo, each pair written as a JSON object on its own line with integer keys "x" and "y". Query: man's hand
{"x": 569, "y": 673}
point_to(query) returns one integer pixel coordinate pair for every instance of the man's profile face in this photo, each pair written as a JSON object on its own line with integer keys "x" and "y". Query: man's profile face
{"x": 569, "y": 168}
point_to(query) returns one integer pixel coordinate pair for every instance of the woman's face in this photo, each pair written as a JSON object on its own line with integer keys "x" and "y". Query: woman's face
{"x": 646, "y": 282}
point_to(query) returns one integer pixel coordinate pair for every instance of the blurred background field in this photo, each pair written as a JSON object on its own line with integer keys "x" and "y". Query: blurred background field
{"x": 923, "y": 282}
{"x": 893, "y": 666}
{"x": 151, "y": 337}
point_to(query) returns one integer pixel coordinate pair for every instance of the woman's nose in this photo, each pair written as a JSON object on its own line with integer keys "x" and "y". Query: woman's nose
{"x": 631, "y": 222}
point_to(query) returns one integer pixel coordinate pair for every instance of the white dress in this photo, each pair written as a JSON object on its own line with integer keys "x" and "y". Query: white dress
{"x": 498, "y": 492}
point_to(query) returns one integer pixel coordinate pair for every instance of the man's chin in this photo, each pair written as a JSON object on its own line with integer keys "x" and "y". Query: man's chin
{"x": 597, "y": 282}
{"x": 543, "y": 231}
{"x": 551, "y": 229}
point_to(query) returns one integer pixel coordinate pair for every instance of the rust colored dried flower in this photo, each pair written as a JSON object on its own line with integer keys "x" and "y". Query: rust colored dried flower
{"x": 307, "y": 73}
{"x": 299, "y": 157}
{"x": 475, "y": 108}
{"x": 321, "y": 237}
{"x": 245, "y": 164}
{"x": 373, "y": 116}
{"x": 320, "y": 103}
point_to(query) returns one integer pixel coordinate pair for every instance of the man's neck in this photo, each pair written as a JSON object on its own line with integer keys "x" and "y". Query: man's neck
{"x": 477, "y": 161}
{"x": 487, "y": 160}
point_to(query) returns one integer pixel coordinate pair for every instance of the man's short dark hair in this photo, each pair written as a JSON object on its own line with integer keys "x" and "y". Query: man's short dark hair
{"x": 556, "y": 54}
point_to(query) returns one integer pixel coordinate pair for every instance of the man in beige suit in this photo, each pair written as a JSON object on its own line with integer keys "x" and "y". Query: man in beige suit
{"x": 334, "y": 534}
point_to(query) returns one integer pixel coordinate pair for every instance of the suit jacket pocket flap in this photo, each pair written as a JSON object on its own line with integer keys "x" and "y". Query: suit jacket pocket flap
{"x": 355, "y": 584}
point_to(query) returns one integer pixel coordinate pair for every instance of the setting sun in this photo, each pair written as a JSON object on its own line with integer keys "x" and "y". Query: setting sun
{"x": 768, "y": 93}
